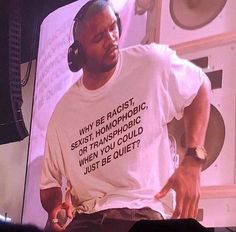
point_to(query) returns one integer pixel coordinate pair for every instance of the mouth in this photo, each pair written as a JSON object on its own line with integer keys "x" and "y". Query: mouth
{"x": 112, "y": 51}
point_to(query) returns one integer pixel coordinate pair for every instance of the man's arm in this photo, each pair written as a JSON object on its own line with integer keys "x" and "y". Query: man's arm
{"x": 51, "y": 200}
{"x": 196, "y": 117}
{"x": 186, "y": 179}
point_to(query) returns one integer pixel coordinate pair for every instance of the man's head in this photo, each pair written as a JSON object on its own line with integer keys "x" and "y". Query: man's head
{"x": 96, "y": 33}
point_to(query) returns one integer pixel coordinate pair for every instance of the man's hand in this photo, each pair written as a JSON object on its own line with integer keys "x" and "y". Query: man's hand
{"x": 186, "y": 183}
{"x": 58, "y": 217}
{"x": 58, "y": 212}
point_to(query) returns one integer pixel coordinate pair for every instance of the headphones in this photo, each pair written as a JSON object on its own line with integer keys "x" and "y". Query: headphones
{"x": 76, "y": 57}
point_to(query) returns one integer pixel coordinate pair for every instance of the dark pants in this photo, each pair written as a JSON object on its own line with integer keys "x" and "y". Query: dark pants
{"x": 111, "y": 220}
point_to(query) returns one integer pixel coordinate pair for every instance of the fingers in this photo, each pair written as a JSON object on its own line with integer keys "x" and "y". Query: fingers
{"x": 186, "y": 205}
{"x": 195, "y": 209}
{"x": 164, "y": 190}
{"x": 62, "y": 217}
{"x": 186, "y": 200}
{"x": 69, "y": 213}
{"x": 54, "y": 215}
{"x": 58, "y": 217}
{"x": 55, "y": 226}
{"x": 68, "y": 209}
{"x": 187, "y": 195}
{"x": 191, "y": 206}
{"x": 179, "y": 206}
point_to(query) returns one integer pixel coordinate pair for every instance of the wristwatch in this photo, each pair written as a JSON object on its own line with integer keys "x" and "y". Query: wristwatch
{"x": 198, "y": 153}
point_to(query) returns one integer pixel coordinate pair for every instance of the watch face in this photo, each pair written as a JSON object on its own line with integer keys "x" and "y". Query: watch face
{"x": 198, "y": 153}
{"x": 201, "y": 153}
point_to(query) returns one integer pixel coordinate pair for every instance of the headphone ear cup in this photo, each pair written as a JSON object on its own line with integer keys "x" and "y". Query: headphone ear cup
{"x": 76, "y": 58}
{"x": 119, "y": 24}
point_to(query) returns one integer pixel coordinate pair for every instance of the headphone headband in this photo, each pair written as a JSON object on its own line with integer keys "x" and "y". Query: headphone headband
{"x": 84, "y": 9}
{"x": 79, "y": 17}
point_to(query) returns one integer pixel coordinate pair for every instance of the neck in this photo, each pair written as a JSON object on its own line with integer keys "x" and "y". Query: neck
{"x": 93, "y": 81}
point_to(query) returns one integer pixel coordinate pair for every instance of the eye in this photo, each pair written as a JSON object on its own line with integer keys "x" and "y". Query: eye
{"x": 98, "y": 38}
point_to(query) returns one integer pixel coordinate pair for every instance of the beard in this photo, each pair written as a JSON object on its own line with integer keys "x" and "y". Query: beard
{"x": 108, "y": 67}
{"x": 99, "y": 67}
{"x": 104, "y": 64}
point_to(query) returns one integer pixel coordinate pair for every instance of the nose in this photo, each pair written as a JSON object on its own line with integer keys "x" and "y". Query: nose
{"x": 110, "y": 38}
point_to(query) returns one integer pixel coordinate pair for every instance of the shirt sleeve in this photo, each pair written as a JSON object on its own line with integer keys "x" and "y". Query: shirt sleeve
{"x": 184, "y": 81}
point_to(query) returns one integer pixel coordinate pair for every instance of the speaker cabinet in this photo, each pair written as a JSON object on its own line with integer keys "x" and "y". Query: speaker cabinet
{"x": 185, "y": 20}
{"x": 12, "y": 127}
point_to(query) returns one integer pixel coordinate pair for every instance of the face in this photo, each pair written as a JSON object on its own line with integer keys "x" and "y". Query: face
{"x": 100, "y": 41}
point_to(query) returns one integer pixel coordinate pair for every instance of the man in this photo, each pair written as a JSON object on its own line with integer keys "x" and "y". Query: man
{"x": 108, "y": 134}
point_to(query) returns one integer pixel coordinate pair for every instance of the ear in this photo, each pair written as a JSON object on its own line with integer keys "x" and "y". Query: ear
{"x": 76, "y": 57}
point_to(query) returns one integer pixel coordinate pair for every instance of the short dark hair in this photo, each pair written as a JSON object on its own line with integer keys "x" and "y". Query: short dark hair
{"x": 89, "y": 9}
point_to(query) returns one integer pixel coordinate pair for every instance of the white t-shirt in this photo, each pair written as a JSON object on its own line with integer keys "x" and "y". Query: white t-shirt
{"x": 112, "y": 143}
